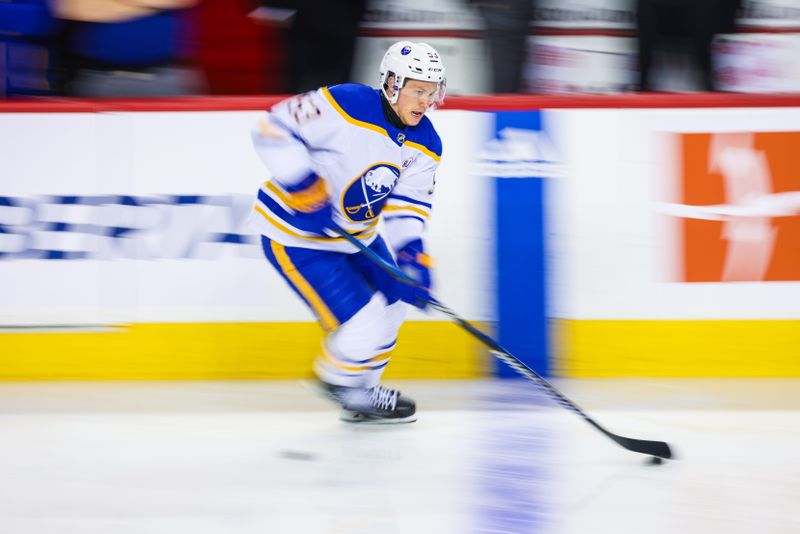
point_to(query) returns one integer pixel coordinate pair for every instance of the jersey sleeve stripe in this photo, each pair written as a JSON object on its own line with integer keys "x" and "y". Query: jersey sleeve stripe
{"x": 278, "y": 210}
{"x": 393, "y": 217}
{"x": 364, "y": 234}
{"x": 405, "y": 208}
{"x": 411, "y": 200}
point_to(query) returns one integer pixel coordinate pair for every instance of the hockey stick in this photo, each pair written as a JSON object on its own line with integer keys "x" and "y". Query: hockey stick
{"x": 658, "y": 449}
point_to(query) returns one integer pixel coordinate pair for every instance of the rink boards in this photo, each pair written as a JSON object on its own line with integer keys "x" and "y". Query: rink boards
{"x": 669, "y": 239}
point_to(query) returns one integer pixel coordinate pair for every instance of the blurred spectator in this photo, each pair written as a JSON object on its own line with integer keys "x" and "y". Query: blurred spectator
{"x": 507, "y": 27}
{"x": 239, "y": 51}
{"x": 320, "y": 41}
{"x": 685, "y": 29}
{"x": 129, "y": 48}
{"x": 28, "y": 61}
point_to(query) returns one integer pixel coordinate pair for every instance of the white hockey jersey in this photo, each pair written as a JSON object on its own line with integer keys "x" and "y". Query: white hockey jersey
{"x": 371, "y": 168}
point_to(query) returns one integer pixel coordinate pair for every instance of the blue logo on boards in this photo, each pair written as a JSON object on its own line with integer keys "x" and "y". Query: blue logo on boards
{"x": 126, "y": 227}
{"x": 406, "y": 50}
{"x": 364, "y": 198}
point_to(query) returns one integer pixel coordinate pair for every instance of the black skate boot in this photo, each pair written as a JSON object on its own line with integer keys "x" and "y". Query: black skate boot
{"x": 377, "y": 405}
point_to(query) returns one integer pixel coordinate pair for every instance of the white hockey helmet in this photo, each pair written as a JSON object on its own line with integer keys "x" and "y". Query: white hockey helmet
{"x": 406, "y": 60}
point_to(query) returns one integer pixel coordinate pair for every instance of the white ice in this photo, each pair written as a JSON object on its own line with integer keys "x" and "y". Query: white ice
{"x": 485, "y": 456}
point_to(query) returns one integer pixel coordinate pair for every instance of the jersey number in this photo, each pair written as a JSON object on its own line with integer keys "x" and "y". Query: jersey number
{"x": 303, "y": 108}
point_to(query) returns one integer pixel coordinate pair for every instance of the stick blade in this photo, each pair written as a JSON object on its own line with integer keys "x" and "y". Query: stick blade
{"x": 643, "y": 446}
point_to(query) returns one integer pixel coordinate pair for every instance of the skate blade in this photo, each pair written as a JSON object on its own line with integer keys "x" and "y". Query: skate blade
{"x": 349, "y": 416}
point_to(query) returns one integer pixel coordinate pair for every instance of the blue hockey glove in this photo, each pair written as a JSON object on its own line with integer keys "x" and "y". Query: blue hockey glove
{"x": 413, "y": 261}
{"x": 311, "y": 204}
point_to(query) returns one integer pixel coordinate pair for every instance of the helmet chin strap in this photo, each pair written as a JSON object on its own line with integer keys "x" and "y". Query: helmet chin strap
{"x": 395, "y": 90}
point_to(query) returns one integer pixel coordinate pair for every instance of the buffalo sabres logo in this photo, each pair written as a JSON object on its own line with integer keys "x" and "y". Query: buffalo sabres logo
{"x": 363, "y": 199}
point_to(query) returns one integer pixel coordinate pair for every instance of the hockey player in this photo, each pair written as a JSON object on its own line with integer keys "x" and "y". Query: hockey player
{"x": 348, "y": 154}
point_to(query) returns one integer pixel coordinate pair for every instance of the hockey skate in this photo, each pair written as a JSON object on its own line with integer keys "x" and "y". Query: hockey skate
{"x": 377, "y": 405}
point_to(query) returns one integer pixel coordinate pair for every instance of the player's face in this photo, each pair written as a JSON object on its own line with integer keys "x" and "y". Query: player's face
{"x": 414, "y": 100}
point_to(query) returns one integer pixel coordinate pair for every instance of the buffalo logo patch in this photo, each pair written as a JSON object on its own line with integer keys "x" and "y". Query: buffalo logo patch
{"x": 364, "y": 198}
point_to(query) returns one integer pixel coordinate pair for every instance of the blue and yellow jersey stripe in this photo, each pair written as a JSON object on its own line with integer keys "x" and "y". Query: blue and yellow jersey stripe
{"x": 273, "y": 206}
{"x": 403, "y": 206}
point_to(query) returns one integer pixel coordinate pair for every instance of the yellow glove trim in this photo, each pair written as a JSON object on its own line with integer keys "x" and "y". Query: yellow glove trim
{"x": 425, "y": 260}
{"x": 309, "y": 199}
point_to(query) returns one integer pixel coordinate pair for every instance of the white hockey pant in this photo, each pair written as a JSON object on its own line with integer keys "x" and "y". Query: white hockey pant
{"x": 357, "y": 352}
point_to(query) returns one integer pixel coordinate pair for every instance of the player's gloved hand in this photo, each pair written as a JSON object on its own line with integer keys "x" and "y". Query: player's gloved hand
{"x": 413, "y": 261}
{"x": 311, "y": 204}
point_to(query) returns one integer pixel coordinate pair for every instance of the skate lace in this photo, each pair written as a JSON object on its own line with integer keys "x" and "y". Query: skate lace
{"x": 383, "y": 398}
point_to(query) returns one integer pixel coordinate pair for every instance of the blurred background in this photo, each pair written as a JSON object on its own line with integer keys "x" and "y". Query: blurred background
{"x": 235, "y": 47}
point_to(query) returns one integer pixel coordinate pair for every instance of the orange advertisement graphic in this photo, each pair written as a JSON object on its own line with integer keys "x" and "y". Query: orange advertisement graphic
{"x": 740, "y": 206}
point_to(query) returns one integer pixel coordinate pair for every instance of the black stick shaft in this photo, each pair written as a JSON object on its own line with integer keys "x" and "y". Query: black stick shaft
{"x": 653, "y": 448}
